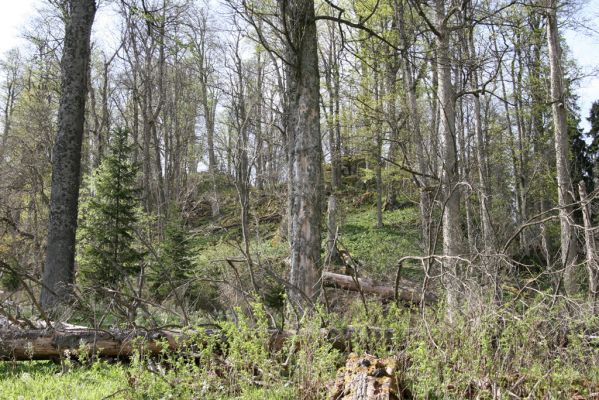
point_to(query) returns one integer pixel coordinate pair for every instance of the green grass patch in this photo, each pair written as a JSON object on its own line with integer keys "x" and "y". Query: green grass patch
{"x": 379, "y": 249}
{"x": 44, "y": 380}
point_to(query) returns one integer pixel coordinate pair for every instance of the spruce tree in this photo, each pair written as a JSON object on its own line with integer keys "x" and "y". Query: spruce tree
{"x": 174, "y": 265}
{"x": 109, "y": 215}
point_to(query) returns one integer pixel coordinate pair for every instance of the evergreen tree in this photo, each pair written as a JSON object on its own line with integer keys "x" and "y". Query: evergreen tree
{"x": 174, "y": 266}
{"x": 581, "y": 162}
{"x": 593, "y": 135}
{"x": 109, "y": 215}
{"x": 175, "y": 273}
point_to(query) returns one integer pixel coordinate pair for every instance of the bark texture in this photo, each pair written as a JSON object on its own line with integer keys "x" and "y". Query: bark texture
{"x": 452, "y": 235}
{"x": 66, "y": 164}
{"x": 590, "y": 244}
{"x": 42, "y": 344}
{"x": 565, "y": 192}
{"x": 45, "y": 344}
{"x": 366, "y": 377}
{"x": 305, "y": 151}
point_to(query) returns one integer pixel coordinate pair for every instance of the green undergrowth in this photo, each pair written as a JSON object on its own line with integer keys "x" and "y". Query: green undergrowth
{"x": 542, "y": 350}
{"x": 531, "y": 346}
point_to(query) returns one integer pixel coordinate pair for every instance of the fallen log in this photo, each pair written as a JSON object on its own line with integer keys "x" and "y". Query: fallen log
{"x": 47, "y": 344}
{"x": 17, "y": 344}
{"x": 407, "y": 291}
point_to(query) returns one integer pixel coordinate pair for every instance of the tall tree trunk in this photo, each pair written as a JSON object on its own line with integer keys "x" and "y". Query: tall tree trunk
{"x": 209, "y": 108}
{"x": 590, "y": 245}
{"x": 435, "y": 118}
{"x": 565, "y": 192}
{"x": 452, "y": 235}
{"x": 59, "y": 271}
{"x": 378, "y": 151}
{"x": 391, "y": 68}
{"x": 146, "y": 108}
{"x": 512, "y": 147}
{"x": 306, "y": 161}
{"x": 243, "y": 168}
{"x": 93, "y": 127}
{"x": 484, "y": 194}
{"x": 522, "y": 184}
{"x": 105, "y": 121}
{"x": 155, "y": 115}
{"x": 332, "y": 79}
{"x": 11, "y": 96}
{"x": 258, "y": 123}
{"x": 415, "y": 127}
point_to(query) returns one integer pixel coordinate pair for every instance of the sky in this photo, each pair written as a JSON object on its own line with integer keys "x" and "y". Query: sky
{"x": 14, "y": 15}
{"x": 583, "y": 43}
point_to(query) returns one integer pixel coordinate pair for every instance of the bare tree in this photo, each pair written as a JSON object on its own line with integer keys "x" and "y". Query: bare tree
{"x": 203, "y": 54}
{"x": 12, "y": 69}
{"x": 330, "y": 59}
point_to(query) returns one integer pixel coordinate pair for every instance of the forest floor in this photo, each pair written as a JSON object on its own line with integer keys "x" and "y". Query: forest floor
{"x": 377, "y": 251}
{"x": 526, "y": 348}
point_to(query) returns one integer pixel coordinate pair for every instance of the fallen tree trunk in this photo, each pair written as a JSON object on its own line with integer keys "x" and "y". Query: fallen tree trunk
{"x": 406, "y": 291}
{"x": 47, "y": 344}
{"x": 17, "y": 343}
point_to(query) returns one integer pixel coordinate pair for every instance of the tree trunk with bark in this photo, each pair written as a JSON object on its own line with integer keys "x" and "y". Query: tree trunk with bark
{"x": 305, "y": 151}
{"x": 590, "y": 245}
{"x": 17, "y": 344}
{"x": 410, "y": 88}
{"x": 452, "y": 234}
{"x": 407, "y": 291}
{"x": 332, "y": 80}
{"x": 59, "y": 271}
{"x": 484, "y": 194}
{"x": 565, "y": 191}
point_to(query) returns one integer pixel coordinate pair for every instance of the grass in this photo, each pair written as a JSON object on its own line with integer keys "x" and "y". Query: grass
{"x": 43, "y": 380}
{"x": 379, "y": 249}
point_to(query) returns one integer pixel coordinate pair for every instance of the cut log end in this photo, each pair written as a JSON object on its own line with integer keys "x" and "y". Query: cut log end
{"x": 366, "y": 377}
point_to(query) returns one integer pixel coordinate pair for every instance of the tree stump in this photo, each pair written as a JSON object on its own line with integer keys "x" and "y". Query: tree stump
{"x": 366, "y": 377}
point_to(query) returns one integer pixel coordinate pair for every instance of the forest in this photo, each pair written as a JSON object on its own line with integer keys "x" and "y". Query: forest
{"x": 299, "y": 199}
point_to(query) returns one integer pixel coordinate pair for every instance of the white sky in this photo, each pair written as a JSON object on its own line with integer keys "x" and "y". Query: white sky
{"x": 14, "y": 16}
